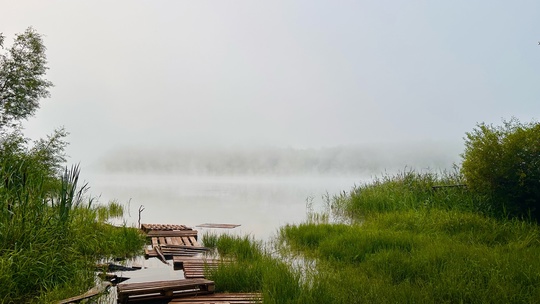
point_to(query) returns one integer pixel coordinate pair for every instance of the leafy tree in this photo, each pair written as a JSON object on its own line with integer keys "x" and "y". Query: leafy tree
{"x": 49, "y": 238}
{"x": 503, "y": 164}
{"x": 22, "y": 84}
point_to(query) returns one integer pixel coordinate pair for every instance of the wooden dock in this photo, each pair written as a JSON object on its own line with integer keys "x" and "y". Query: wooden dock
{"x": 179, "y": 243}
{"x": 172, "y": 240}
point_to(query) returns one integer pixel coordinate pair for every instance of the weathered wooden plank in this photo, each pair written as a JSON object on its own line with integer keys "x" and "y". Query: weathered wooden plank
{"x": 160, "y": 254}
{"x": 162, "y": 240}
{"x": 176, "y": 240}
{"x": 159, "y": 286}
{"x": 233, "y": 298}
{"x": 186, "y": 247}
{"x": 171, "y": 233}
{"x": 196, "y": 268}
{"x": 166, "y": 251}
{"x": 198, "y": 259}
{"x": 149, "y": 227}
{"x": 163, "y": 289}
{"x": 223, "y": 226}
{"x": 185, "y": 241}
{"x": 194, "y": 241}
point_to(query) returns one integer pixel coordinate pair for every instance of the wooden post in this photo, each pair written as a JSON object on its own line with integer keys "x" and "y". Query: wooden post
{"x": 141, "y": 209}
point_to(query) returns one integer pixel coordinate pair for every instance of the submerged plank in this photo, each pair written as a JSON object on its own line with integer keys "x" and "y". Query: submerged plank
{"x": 224, "y": 226}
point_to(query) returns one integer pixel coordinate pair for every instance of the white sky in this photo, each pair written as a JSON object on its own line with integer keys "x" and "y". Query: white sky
{"x": 283, "y": 73}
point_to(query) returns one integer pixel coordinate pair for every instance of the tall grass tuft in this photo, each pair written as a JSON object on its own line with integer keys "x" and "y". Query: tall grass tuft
{"x": 412, "y": 243}
{"x": 50, "y": 238}
{"x": 408, "y": 190}
{"x": 252, "y": 269}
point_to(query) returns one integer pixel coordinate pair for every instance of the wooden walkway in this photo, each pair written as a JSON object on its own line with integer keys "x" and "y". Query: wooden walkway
{"x": 222, "y": 298}
{"x": 180, "y": 243}
{"x": 172, "y": 240}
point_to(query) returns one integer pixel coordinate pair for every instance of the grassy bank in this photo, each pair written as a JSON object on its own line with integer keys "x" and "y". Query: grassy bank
{"x": 51, "y": 236}
{"x": 399, "y": 240}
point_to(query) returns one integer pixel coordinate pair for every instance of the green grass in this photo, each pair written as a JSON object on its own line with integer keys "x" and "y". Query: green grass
{"x": 437, "y": 256}
{"x": 404, "y": 242}
{"x": 409, "y": 190}
{"x": 51, "y": 236}
{"x": 253, "y": 269}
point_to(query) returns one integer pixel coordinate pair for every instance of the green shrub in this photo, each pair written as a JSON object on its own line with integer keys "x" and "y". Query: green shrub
{"x": 408, "y": 190}
{"x": 502, "y": 163}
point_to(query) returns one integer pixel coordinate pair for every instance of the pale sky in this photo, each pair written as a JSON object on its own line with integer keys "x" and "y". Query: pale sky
{"x": 280, "y": 73}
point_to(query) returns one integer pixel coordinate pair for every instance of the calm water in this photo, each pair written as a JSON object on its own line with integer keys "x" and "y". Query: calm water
{"x": 260, "y": 204}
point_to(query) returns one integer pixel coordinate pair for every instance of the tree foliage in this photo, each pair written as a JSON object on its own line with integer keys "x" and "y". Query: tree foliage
{"x": 50, "y": 237}
{"x": 22, "y": 83}
{"x": 503, "y": 164}
{"x": 22, "y": 86}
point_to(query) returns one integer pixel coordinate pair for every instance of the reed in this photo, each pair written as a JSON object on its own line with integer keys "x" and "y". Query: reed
{"x": 51, "y": 235}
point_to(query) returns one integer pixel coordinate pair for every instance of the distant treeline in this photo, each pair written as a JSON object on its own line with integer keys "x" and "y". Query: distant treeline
{"x": 287, "y": 161}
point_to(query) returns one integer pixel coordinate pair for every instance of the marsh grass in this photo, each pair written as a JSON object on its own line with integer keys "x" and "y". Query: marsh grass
{"x": 419, "y": 245}
{"x": 403, "y": 243}
{"x": 408, "y": 190}
{"x": 253, "y": 269}
{"x": 473, "y": 261}
{"x": 51, "y": 235}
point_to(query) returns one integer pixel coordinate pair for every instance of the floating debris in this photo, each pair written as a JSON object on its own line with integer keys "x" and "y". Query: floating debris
{"x": 224, "y": 226}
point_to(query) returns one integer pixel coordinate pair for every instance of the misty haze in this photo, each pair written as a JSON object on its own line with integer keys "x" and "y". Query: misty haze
{"x": 260, "y": 188}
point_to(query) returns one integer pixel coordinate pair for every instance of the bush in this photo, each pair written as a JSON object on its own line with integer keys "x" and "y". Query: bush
{"x": 503, "y": 164}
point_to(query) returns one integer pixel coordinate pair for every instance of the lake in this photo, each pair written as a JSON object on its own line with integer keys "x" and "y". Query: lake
{"x": 260, "y": 204}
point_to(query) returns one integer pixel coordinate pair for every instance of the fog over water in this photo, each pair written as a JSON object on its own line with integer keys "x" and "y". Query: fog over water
{"x": 238, "y": 111}
{"x": 259, "y": 188}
